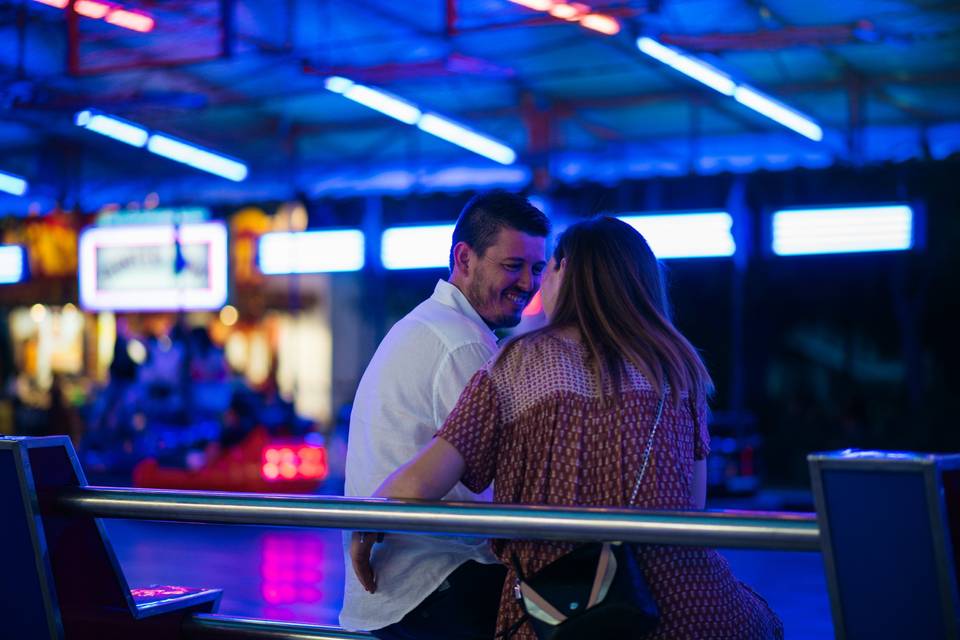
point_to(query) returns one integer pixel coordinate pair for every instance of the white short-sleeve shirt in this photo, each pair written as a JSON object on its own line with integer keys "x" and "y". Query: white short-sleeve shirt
{"x": 408, "y": 389}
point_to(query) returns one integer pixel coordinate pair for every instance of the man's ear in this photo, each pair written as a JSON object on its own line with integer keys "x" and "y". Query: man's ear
{"x": 463, "y": 258}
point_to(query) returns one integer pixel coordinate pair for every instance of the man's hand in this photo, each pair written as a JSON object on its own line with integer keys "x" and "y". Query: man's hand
{"x": 361, "y": 544}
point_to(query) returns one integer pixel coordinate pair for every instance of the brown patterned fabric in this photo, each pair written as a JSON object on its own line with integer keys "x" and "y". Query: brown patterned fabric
{"x": 538, "y": 427}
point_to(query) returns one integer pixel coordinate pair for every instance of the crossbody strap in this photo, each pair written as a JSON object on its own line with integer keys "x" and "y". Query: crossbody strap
{"x": 646, "y": 453}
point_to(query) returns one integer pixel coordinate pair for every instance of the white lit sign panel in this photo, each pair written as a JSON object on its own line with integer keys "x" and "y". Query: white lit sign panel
{"x": 138, "y": 268}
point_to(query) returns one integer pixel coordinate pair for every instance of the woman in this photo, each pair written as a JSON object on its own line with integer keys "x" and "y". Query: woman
{"x": 562, "y": 417}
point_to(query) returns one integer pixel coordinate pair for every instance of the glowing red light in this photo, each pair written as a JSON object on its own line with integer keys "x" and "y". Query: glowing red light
{"x": 599, "y": 22}
{"x": 535, "y": 306}
{"x": 130, "y": 20}
{"x": 306, "y": 462}
{"x": 270, "y": 471}
{"x": 59, "y": 4}
{"x": 567, "y": 11}
{"x": 91, "y": 8}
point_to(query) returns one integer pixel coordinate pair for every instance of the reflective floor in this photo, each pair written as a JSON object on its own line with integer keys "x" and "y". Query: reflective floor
{"x": 297, "y": 574}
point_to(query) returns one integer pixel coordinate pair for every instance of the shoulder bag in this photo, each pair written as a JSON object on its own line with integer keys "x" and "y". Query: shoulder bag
{"x": 598, "y": 590}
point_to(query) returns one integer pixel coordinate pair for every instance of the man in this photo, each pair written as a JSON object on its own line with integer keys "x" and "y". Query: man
{"x": 439, "y": 587}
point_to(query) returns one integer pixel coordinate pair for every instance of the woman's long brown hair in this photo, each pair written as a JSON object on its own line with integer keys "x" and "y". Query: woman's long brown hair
{"x": 613, "y": 293}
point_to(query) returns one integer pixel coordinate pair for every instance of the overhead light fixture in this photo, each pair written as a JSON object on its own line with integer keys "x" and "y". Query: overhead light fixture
{"x": 854, "y": 229}
{"x": 432, "y": 123}
{"x": 13, "y": 260}
{"x": 12, "y": 184}
{"x": 375, "y": 99}
{"x": 108, "y": 12}
{"x": 746, "y": 95}
{"x": 688, "y": 65}
{"x": 416, "y": 247}
{"x": 162, "y": 144}
{"x": 574, "y": 12}
{"x": 598, "y": 22}
{"x": 778, "y": 112}
{"x": 131, "y": 20}
{"x": 464, "y": 137}
{"x": 686, "y": 235}
{"x": 197, "y": 157}
{"x": 91, "y": 8}
{"x": 326, "y": 251}
{"x": 112, "y": 127}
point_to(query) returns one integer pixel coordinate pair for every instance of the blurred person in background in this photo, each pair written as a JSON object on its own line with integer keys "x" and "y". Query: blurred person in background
{"x": 440, "y": 587}
{"x": 563, "y": 416}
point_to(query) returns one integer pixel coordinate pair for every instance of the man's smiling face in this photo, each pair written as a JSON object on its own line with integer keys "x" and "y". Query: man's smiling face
{"x": 502, "y": 281}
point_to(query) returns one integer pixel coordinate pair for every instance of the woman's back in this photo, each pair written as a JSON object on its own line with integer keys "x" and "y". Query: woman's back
{"x": 539, "y": 427}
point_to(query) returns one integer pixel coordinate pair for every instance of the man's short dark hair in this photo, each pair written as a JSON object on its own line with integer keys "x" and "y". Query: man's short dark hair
{"x": 486, "y": 213}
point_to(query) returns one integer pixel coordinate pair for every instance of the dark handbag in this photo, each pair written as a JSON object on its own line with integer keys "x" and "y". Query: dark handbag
{"x": 598, "y": 590}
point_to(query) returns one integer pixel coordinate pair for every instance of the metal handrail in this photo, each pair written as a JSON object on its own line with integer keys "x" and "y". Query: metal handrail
{"x": 729, "y": 529}
{"x": 209, "y": 626}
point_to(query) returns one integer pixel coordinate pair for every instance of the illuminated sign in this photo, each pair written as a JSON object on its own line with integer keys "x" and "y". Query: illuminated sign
{"x": 12, "y": 263}
{"x": 416, "y": 247}
{"x": 153, "y": 268}
{"x": 686, "y": 235}
{"x": 843, "y": 230}
{"x": 311, "y": 251}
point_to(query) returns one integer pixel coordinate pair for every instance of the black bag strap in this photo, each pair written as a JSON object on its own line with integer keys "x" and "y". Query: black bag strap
{"x": 512, "y": 629}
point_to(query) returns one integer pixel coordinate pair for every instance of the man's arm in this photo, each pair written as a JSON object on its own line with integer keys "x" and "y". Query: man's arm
{"x": 429, "y": 476}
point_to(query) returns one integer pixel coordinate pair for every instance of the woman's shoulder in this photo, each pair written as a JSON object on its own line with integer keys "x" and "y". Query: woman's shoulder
{"x": 535, "y": 349}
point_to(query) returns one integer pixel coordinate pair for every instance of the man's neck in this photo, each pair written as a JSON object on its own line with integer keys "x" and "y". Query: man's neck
{"x": 458, "y": 282}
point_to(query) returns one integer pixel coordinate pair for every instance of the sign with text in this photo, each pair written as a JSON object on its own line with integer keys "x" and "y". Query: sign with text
{"x": 153, "y": 268}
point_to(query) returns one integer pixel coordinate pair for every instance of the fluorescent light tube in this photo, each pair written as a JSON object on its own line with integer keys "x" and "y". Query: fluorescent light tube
{"x": 12, "y": 184}
{"x": 311, "y": 252}
{"x": 197, "y": 157}
{"x": 778, "y": 112}
{"x": 112, "y": 127}
{"x": 416, "y": 247}
{"x": 386, "y": 103}
{"x": 466, "y": 138}
{"x": 842, "y": 230}
{"x": 688, "y": 65}
{"x": 686, "y": 235}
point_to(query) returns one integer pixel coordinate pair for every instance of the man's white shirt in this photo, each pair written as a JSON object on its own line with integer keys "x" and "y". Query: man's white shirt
{"x": 410, "y": 386}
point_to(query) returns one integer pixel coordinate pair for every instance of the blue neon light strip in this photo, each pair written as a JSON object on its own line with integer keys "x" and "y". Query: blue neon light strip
{"x": 420, "y": 247}
{"x": 743, "y": 93}
{"x": 843, "y": 230}
{"x": 162, "y": 144}
{"x": 686, "y": 235}
{"x": 12, "y": 184}
{"x": 197, "y": 157}
{"x": 376, "y": 99}
{"x": 432, "y": 123}
{"x": 311, "y": 252}
{"x": 112, "y": 127}
{"x": 13, "y": 261}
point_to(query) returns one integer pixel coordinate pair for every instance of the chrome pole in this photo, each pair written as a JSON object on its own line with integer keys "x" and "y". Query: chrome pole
{"x": 742, "y": 529}
{"x": 207, "y": 626}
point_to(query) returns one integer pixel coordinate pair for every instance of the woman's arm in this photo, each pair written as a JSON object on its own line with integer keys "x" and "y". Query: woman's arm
{"x": 698, "y": 483}
{"x": 429, "y": 476}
